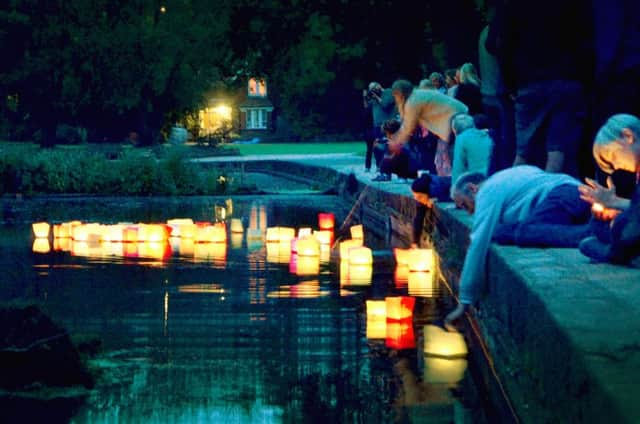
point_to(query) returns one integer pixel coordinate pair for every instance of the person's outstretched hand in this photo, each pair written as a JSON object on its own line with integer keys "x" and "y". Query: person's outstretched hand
{"x": 593, "y": 192}
{"x": 455, "y": 314}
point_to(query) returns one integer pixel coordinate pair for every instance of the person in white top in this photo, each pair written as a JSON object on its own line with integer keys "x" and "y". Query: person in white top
{"x": 523, "y": 205}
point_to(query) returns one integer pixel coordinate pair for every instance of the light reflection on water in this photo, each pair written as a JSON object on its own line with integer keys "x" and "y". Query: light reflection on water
{"x": 239, "y": 337}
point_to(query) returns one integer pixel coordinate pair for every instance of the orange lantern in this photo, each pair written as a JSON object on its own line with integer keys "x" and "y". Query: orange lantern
{"x": 154, "y": 249}
{"x": 346, "y": 246}
{"x": 400, "y": 335}
{"x": 401, "y": 275}
{"x": 360, "y": 256}
{"x": 402, "y": 256}
{"x": 399, "y": 307}
{"x": 40, "y": 229}
{"x": 41, "y": 245}
{"x": 155, "y": 233}
{"x": 448, "y": 344}
{"x": 421, "y": 260}
{"x": 422, "y": 284}
{"x": 326, "y": 221}
{"x": 357, "y": 232}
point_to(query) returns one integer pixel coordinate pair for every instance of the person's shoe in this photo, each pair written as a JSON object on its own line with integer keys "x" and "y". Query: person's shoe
{"x": 382, "y": 177}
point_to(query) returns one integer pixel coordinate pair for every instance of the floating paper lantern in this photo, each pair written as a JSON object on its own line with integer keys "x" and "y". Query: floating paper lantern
{"x": 422, "y": 284}
{"x": 305, "y": 289}
{"x": 402, "y": 256}
{"x": 87, "y": 249}
{"x": 357, "y": 232}
{"x": 113, "y": 233}
{"x": 41, "y": 245}
{"x": 399, "y": 307}
{"x": 444, "y": 370}
{"x": 308, "y": 246}
{"x": 40, "y": 229}
{"x": 307, "y": 265}
{"x": 113, "y": 248}
{"x": 211, "y": 234}
{"x": 154, "y": 249}
{"x": 176, "y": 225}
{"x": 62, "y": 244}
{"x": 346, "y": 246}
{"x": 130, "y": 234}
{"x": 325, "y": 253}
{"x": 324, "y": 236}
{"x": 304, "y": 232}
{"x": 376, "y": 328}
{"x": 153, "y": 232}
{"x": 236, "y": 225}
{"x": 279, "y": 253}
{"x": 421, "y": 260}
{"x": 65, "y": 230}
{"x": 280, "y": 234}
{"x": 186, "y": 247}
{"x": 376, "y": 308}
{"x": 87, "y": 232}
{"x": 326, "y": 221}
{"x": 400, "y": 335}
{"x": 355, "y": 275}
{"x": 360, "y": 256}
{"x": 438, "y": 342}
{"x": 130, "y": 250}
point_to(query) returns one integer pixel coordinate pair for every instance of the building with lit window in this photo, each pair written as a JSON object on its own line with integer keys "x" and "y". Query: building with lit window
{"x": 255, "y": 108}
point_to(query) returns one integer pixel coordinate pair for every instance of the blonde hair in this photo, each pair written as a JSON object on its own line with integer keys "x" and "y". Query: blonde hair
{"x": 609, "y": 137}
{"x": 469, "y": 75}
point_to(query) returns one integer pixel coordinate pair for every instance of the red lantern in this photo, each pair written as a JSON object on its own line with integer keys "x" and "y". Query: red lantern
{"x": 399, "y": 307}
{"x": 326, "y": 221}
{"x": 400, "y": 335}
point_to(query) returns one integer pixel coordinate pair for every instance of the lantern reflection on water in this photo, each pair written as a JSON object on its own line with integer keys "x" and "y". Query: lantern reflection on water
{"x": 62, "y": 244}
{"x": 186, "y": 247}
{"x": 236, "y": 225}
{"x": 400, "y": 335}
{"x": 422, "y": 284}
{"x": 41, "y": 245}
{"x": 41, "y": 229}
{"x": 399, "y": 307}
{"x": 279, "y": 253}
{"x": 236, "y": 240}
{"x": 443, "y": 370}
{"x": 376, "y": 327}
{"x": 210, "y": 252}
{"x": 326, "y": 221}
{"x": 438, "y": 342}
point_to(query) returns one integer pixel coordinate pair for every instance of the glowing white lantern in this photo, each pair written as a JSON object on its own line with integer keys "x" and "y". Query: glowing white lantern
{"x": 376, "y": 308}
{"x": 113, "y": 232}
{"x": 357, "y": 232}
{"x": 360, "y": 256}
{"x": 420, "y": 260}
{"x": 236, "y": 225}
{"x": 308, "y": 246}
{"x": 304, "y": 232}
{"x": 438, "y": 342}
{"x": 40, "y": 229}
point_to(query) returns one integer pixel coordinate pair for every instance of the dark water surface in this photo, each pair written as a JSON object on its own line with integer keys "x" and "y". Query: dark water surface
{"x": 200, "y": 336}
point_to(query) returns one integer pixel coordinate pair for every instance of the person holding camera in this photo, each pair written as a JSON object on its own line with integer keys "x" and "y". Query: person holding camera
{"x": 382, "y": 105}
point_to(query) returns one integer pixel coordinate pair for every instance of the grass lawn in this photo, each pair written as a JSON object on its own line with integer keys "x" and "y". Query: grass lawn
{"x": 357, "y": 147}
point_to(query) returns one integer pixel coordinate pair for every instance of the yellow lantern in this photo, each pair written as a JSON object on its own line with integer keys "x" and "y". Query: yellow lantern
{"x": 399, "y": 307}
{"x": 421, "y": 260}
{"x": 326, "y": 221}
{"x": 304, "y": 232}
{"x": 154, "y": 249}
{"x": 279, "y": 253}
{"x": 308, "y": 246}
{"x": 211, "y": 234}
{"x": 357, "y": 232}
{"x": 56, "y": 230}
{"x": 40, "y": 229}
{"x": 236, "y": 240}
{"x": 376, "y": 308}
{"x": 86, "y": 249}
{"x": 324, "y": 236}
{"x": 444, "y": 370}
{"x": 360, "y": 256}
{"x": 346, "y": 246}
{"x": 154, "y": 233}
{"x": 306, "y": 265}
{"x": 41, "y": 245}
{"x": 87, "y": 232}
{"x": 65, "y": 230}
{"x": 113, "y": 248}
{"x": 448, "y": 344}
{"x": 422, "y": 284}
{"x": 402, "y": 256}
{"x": 376, "y": 328}
{"x": 325, "y": 253}
{"x": 281, "y": 234}
{"x": 130, "y": 234}
{"x": 236, "y": 225}
{"x": 113, "y": 232}
{"x": 359, "y": 275}
{"x": 186, "y": 247}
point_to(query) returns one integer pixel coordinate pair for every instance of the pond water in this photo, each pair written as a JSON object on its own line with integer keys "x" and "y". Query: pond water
{"x": 200, "y": 334}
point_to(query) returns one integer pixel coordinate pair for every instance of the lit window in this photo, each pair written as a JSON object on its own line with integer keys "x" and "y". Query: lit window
{"x": 257, "y": 119}
{"x": 257, "y": 88}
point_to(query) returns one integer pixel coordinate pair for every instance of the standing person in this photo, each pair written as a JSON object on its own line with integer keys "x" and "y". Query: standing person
{"x": 522, "y": 205}
{"x": 468, "y": 91}
{"x": 451, "y": 81}
{"x": 437, "y": 80}
{"x": 545, "y": 53}
{"x": 497, "y": 106}
{"x": 382, "y": 106}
